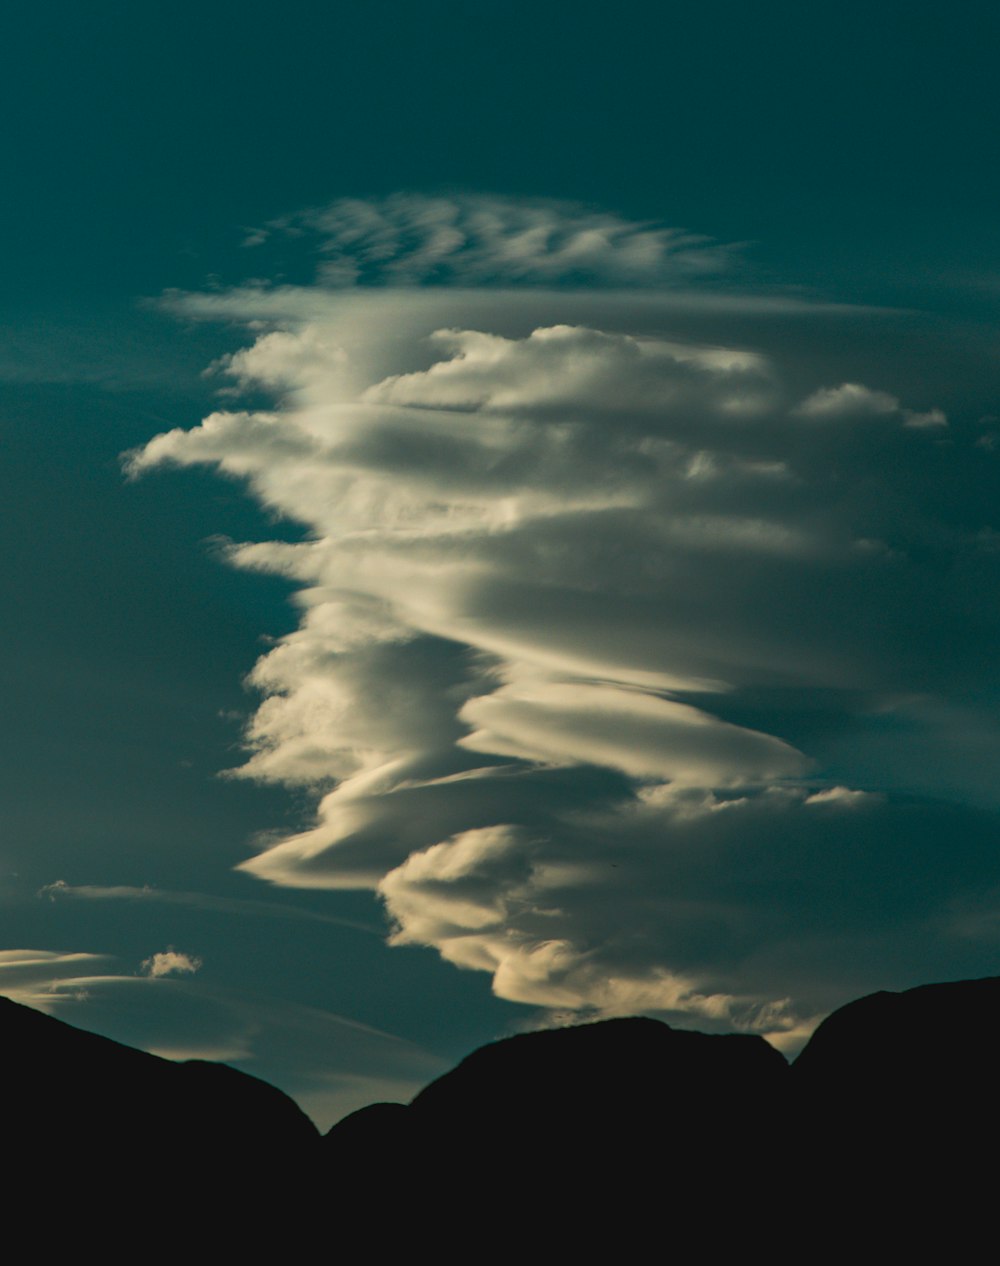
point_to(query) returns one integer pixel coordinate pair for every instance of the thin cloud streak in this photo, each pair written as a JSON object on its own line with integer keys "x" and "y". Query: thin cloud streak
{"x": 62, "y": 891}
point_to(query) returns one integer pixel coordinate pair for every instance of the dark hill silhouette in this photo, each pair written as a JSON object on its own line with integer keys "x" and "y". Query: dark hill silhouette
{"x": 892, "y": 1045}
{"x": 99, "y": 1135}
{"x": 608, "y": 1085}
{"x": 75, "y": 1086}
{"x": 878, "y": 1141}
{"x": 923, "y": 1064}
{"x": 610, "y": 1066}
{"x": 611, "y": 1114}
{"x": 900, "y": 1091}
{"x": 871, "y": 1144}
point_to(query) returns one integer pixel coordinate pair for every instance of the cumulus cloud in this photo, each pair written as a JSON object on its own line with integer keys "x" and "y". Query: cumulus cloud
{"x": 170, "y": 963}
{"x": 620, "y": 653}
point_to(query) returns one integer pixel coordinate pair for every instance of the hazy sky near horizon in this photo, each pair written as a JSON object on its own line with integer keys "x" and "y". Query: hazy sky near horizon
{"x": 501, "y": 522}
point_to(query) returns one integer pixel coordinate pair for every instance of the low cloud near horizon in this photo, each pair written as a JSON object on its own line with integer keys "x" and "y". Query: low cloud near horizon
{"x": 646, "y": 657}
{"x": 331, "y": 1065}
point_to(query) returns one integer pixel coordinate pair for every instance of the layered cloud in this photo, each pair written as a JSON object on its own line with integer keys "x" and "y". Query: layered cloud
{"x": 631, "y": 628}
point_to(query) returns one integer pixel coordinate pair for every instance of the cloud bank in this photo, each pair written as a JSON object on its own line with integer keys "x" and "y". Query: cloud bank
{"x": 639, "y": 661}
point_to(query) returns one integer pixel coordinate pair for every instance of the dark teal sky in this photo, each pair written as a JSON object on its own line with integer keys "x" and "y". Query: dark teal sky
{"x": 849, "y": 148}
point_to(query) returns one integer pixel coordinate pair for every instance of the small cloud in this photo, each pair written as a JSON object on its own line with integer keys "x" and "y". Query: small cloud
{"x": 844, "y": 797}
{"x": 850, "y": 399}
{"x": 54, "y": 890}
{"x": 170, "y": 963}
{"x": 854, "y": 400}
{"x": 932, "y": 418}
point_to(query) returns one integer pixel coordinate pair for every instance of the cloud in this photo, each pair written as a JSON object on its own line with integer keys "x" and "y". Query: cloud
{"x": 758, "y": 910}
{"x": 170, "y": 963}
{"x": 640, "y": 734}
{"x": 469, "y": 239}
{"x": 633, "y": 658}
{"x": 60, "y": 890}
{"x": 852, "y": 399}
{"x": 847, "y": 400}
{"x": 843, "y": 797}
{"x": 28, "y": 975}
{"x": 561, "y": 370}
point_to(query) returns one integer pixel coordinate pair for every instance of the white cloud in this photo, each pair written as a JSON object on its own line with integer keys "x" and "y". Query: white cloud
{"x": 854, "y": 400}
{"x": 841, "y": 797}
{"x": 760, "y": 910}
{"x": 641, "y": 734}
{"x": 170, "y": 963}
{"x": 847, "y": 400}
{"x": 559, "y": 370}
{"x": 590, "y": 591}
{"x": 30, "y": 976}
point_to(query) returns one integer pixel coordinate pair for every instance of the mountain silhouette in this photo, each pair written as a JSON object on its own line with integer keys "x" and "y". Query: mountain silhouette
{"x": 900, "y": 1090}
{"x": 93, "y": 1129}
{"x": 76, "y": 1086}
{"x": 871, "y": 1143}
{"x": 877, "y": 1141}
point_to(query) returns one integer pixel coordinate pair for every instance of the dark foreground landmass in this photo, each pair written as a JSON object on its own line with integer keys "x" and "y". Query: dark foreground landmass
{"x": 610, "y": 1139}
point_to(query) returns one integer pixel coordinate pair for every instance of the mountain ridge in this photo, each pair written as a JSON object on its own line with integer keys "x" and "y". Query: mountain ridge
{"x": 887, "y": 1109}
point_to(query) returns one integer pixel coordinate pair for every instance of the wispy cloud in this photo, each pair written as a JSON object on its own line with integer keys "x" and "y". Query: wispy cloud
{"x": 62, "y": 891}
{"x": 409, "y": 239}
{"x": 29, "y": 974}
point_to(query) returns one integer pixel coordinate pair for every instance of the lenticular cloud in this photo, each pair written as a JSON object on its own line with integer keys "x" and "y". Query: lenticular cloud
{"x": 619, "y": 654}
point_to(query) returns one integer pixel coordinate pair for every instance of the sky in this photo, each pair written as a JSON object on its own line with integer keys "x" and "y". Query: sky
{"x": 500, "y": 517}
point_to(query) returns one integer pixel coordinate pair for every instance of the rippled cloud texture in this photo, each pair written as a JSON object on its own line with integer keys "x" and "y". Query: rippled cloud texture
{"x": 646, "y": 653}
